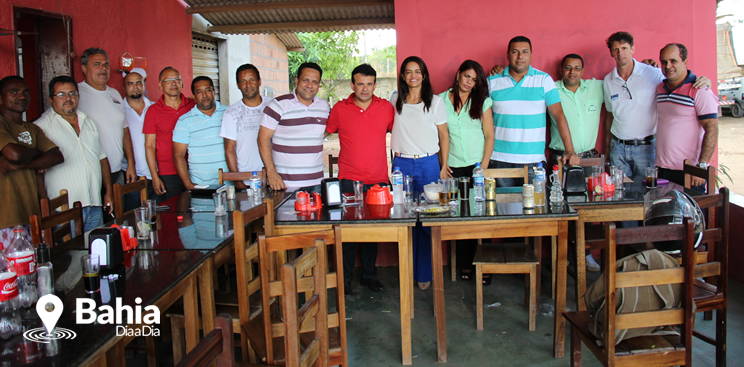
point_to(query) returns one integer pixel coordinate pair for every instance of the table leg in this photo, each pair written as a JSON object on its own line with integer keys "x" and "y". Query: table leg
{"x": 438, "y": 270}
{"x": 191, "y": 312}
{"x": 406, "y": 293}
{"x": 410, "y": 268}
{"x": 580, "y": 264}
{"x": 560, "y": 296}
{"x": 206, "y": 293}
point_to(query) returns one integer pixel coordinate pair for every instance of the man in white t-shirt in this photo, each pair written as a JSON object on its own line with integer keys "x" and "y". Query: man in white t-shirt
{"x": 135, "y": 108}
{"x": 104, "y": 105}
{"x": 241, "y": 123}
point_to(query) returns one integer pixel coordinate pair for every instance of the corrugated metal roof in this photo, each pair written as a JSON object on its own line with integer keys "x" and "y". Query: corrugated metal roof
{"x": 289, "y": 16}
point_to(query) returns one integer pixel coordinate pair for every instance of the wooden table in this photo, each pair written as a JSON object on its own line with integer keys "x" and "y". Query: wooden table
{"x": 502, "y": 218}
{"x": 365, "y": 225}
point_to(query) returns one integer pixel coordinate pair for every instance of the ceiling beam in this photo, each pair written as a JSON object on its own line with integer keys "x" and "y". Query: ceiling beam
{"x": 273, "y": 5}
{"x": 299, "y": 26}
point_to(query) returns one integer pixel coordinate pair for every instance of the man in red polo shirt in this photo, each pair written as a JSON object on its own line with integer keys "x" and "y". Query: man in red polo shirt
{"x": 158, "y": 127}
{"x": 362, "y": 122}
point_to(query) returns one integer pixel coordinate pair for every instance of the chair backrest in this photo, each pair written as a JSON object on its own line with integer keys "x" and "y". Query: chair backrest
{"x": 268, "y": 247}
{"x": 614, "y": 280}
{"x": 42, "y": 227}
{"x": 121, "y": 190}
{"x": 316, "y": 308}
{"x": 49, "y": 206}
{"x": 217, "y": 346}
{"x": 522, "y": 173}
{"x": 584, "y": 162}
{"x": 239, "y": 176}
{"x": 331, "y": 161}
{"x": 716, "y": 237}
{"x": 708, "y": 174}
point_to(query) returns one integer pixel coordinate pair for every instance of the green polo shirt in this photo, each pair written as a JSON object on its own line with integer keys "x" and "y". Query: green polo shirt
{"x": 582, "y": 113}
{"x": 466, "y": 139}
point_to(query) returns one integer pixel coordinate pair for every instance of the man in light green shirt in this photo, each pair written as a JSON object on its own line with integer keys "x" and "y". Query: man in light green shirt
{"x": 582, "y": 103}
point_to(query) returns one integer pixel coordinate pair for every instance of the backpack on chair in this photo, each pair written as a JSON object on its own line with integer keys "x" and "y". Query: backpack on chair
{"x": 635, "y": 299}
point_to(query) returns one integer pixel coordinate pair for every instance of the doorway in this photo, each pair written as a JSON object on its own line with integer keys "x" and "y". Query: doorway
{"x": 43, "y": 46}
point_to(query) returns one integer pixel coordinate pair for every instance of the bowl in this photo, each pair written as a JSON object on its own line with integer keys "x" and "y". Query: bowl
{"x": 432, "y": 191}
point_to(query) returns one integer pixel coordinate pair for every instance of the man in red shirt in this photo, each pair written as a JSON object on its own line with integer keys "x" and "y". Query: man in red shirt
{"x": 362, "y": 122}
{"x": 158, "y": 127}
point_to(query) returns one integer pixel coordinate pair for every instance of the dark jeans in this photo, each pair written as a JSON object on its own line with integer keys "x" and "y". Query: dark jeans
{"x": 678, "y": 177}
{"x": 367, "y": 251}
{"x": 173, "y": 187}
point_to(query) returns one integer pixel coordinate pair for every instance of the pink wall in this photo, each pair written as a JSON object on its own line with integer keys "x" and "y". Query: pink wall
{"x": 445, "y": 33}
{"x": 158, "y": 30}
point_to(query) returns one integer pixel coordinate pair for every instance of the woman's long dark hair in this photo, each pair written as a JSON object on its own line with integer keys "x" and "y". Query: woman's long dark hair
{"x": 478, "y": 94}
{"x": 426, "y": 91}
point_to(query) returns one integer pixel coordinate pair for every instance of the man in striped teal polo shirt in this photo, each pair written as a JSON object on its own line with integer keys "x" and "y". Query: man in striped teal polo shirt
{"x": 198, "y": 132}
{"x": 520, "y": 97}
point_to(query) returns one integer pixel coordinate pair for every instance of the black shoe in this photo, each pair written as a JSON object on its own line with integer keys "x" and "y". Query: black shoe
{"x": 373, "y": 284}
{"x": 347, "y": 290}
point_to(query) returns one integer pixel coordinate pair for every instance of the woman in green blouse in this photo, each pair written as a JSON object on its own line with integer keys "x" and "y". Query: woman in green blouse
{"x": 471, "y": 134}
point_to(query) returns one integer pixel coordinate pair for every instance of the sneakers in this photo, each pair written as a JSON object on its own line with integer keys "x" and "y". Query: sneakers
{"x": 373, "y": 284}
{"x": 591, "y": 265}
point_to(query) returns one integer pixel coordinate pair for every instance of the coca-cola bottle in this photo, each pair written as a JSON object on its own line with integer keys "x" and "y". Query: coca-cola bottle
{"x": 10, "y": 320}
{"x": 20, "y": 255}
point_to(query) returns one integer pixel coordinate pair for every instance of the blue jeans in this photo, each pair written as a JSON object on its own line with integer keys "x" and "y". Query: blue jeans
{"x": 512, "y": 182}
{"x": 633, "y": 159}
{"x": 424, "y": 171}
{"x": 92, "y": 218}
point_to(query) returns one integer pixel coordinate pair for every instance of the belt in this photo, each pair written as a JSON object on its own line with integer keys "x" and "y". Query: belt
{"x": 414, "y": 156}
{"x": 645, "y": 141}
{"x": 586, "y": 154}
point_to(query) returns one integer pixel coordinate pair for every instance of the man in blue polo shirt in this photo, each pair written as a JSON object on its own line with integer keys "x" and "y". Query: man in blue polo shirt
{"x": 198, "y": 132}
{"x": 520, "y": 96}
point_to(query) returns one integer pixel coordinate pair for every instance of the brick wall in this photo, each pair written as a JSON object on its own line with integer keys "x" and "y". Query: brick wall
{"x": 269, "y": 55}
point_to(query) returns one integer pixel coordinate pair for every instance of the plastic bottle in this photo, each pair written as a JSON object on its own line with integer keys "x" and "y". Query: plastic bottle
{"x": 398, "y": 195}
{"x": 20, "y": 255}
{"x": 255, "y": 183}
{"x": 10, "y": 319}
{"x": 479, "y": 188}
{"x": 44, "y": 270}
{"x": 539, "y": 183}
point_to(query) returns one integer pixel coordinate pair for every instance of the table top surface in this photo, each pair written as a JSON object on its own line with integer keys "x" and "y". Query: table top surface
{"x": 357, "y": 214}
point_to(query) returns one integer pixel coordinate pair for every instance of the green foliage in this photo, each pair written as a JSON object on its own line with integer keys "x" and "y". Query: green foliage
{"x": 333, "y": 51}
{"x": 383, "y": 60}
{"x": 722, "y": 169}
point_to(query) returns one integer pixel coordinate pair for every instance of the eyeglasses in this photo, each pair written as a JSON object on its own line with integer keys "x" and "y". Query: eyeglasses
{"x": 169, "y": 81}
{"x": 575, "y": 68}
{"x": 72, "y": 94}
{"x": 625, "y": 86}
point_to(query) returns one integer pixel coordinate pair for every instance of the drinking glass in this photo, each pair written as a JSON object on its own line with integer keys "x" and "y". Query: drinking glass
{"x": 443, "y": 191}
{"x": 358, "y": 191}
{"x": 220, "y": 204}
{"x": 652, "y": 175}
{"x": 142, "y": 218}
{"x": 91, "y": 273}
{"x": 464, "y": 186}
{"x": 150, "y": 205}
{"x": 408, "y": 188}
{"x": 452, "y": 189}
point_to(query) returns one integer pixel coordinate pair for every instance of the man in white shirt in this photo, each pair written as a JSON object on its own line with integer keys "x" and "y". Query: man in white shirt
{"x": 85, "y": 172}
{"x": 241, "y": 123}
{"x": 104, "y": 105}
{"x": 135, "y": 107}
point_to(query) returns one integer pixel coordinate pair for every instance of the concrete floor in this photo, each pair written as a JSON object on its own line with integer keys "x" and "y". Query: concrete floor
{"x": 374, "y": 326}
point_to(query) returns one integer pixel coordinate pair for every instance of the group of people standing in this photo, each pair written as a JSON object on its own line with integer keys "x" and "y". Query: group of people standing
{"x": 91, "y": 138}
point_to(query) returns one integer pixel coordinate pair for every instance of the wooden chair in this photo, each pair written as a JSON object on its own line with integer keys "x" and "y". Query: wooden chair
{"x": 316, "y": 307}
{"x": 239, "y": 176}
{"x": 50, "y": 206}
{"x": 217, "y": 346}
{"x": 653, "y": 350}
{"x": 41, "y": 227}
{"x": 709, "y": 295}
{"x": 493, "y": 173}
{"x": 121, "y": 190}
{"x": 267, "y": 333}
{"x": 708, "y": 174}
{"x": 331, "y": 161}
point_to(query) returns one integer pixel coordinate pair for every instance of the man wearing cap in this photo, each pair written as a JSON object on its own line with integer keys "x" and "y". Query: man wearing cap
{"x": 104, "y": 105}
{"x": 135, "y": 108}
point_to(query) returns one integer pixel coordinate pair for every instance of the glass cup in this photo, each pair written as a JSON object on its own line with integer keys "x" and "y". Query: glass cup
{"x": 220, "y": 204}
{"x": 618, "y": 177}
{"x": 91, "y": 273}
{"x": 150, "y": 205}
{"x": 142, "y": 218}
{"x": 358, "y": 191}
{"x": 443, "y": 191}
{"x": 652, "y": 176}
{"x": 408, "y": 189}
{"x": 463, "y": 184}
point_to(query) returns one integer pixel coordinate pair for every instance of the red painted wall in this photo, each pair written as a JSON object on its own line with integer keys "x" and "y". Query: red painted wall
{"x": 158, "y": 30}
{"x": 445, "y": 33}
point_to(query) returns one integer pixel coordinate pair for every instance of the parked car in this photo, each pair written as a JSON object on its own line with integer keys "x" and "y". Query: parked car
{"x": 731, "y": 96}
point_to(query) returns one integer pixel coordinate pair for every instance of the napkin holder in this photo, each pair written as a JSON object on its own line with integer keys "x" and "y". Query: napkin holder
{"x": 574, "y": 182}
{"x": 330, "y": 192}
{"x": 106, "y": 243}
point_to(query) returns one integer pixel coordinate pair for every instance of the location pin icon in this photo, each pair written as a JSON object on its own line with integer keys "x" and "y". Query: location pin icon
{"x": 49, "y": 308}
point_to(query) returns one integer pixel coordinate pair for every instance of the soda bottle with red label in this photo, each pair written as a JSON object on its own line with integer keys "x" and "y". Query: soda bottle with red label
{"x": 10, "y": 320}
{"x": 21, "y": 256}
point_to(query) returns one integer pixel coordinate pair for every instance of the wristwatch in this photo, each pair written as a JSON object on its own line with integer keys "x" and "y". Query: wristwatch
{"x": 704, "y": 165}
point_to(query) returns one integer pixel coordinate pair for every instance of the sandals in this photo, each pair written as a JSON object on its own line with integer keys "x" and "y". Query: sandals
{"x": 466, "y": 275}
{"x": 486, "y": 281}
{"x": 424, "y": 285}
